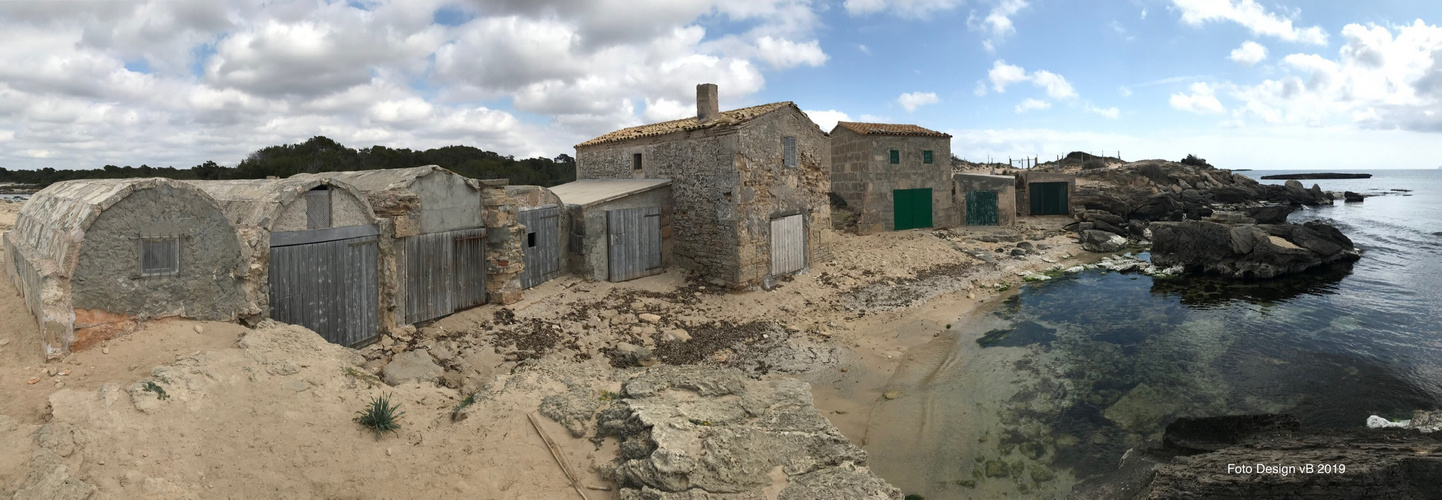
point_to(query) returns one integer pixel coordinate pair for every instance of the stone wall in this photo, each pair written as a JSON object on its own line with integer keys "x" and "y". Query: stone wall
{"x": 1023, "y": 189}
{"x": 863, "y": 175}
{"x": 589, "y": 230}
{"x": 1004, "y": 186}
{"x": 504, "y": 234}
{"x": 703, "y": 186}
{"x": 728, "y": 182}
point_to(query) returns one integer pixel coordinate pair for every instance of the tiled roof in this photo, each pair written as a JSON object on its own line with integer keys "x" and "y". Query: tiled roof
{"x": 889, "y": 129}
{"x": 733, "y": 117}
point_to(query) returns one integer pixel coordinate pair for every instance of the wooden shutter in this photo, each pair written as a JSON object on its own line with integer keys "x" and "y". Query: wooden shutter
{"x": 926, "y": 156}
{"x": 788, "y": 145}
{"x": 895, "y": 157}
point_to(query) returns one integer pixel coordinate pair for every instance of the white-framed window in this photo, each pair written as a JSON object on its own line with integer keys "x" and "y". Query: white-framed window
{"x": 160, "y": 256}
{"x": 788, "y": 151}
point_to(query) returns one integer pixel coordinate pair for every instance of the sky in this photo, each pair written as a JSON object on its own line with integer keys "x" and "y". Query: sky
{"x": 1322, "y": 84}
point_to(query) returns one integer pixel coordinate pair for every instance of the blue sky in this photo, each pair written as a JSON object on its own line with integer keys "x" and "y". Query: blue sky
{"x": 1245, "y": 84}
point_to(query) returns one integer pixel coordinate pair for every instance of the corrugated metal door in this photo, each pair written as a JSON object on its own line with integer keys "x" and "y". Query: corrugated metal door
{"x": 329, "y": 287}
{"x": 911, "y": 208}
{"x": 981, "y": 209}
{"x": 788, "y": 244}
{"x": 634, "y": 248}
{"x": 1049, "y": 198}
{"x": 542, "y": 246}
{"x": 442, "y": 273}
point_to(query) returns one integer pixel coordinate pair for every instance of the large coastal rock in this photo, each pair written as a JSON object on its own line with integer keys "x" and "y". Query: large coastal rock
{"x": 692, "y": 433}
{"x": 1249, "y": 251}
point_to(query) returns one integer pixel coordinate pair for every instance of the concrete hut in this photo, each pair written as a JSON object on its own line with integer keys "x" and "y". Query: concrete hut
{"x": 1044, "y": 193}
{"x": 620, "y": 228}
{"x": 986, "y": 200}
{"x": 896, "y": 176}
{"x": 544, "y": 225}
{"x": 312, "y": 253}
{"x": 94, "y": 257}
{"x": 434, "y": 251}
{"x": 749, "y": 186}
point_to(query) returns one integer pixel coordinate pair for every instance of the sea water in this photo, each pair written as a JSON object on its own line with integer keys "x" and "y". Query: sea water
{"x": 1081, "y": 369}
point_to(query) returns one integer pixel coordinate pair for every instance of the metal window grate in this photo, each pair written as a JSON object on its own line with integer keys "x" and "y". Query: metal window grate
{"x": 317, "y": 208}
{"x": 788, "y": 146}
{"x": 160, "y": 256}
{"x": 895, "y": 157}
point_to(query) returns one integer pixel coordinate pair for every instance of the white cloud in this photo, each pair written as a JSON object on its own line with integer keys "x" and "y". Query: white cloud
{"x": 782, "y": 53}
{"x": 1384, "y": 78}
{"x": 216, "y": 80}
{"x": 1202, "y": 100}
{"x": 1126, "y": 92}
{"x": 904, "y": 8}
{"x": 1112, "y": 112}
{"x": 1003, "y": 75}
{"x": 912, "y": 100}
{"x": 1250, "y": 15}
{"x": 997, "y": 24}
{"x": 1032, "y": 105}
{"x": 1249, "y": 53}
{"x": 827, "y": 119}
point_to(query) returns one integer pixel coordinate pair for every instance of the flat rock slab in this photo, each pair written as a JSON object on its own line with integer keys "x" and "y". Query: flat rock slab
{"x": 411, "y": 366}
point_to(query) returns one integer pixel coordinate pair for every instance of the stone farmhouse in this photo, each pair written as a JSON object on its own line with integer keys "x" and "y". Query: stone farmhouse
{"x": 748, "y": 186}
{"x": 895, "y": 176}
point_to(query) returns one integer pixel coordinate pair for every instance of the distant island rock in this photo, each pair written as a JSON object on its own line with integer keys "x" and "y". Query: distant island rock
{"x": 1321, "y": 175}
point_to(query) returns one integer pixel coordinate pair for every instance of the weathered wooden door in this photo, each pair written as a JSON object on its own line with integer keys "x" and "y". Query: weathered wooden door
{"x": 1049, "y": 198}
{"x": 542, "y": 247}
{"x": 911, "y": 208}
{"x": 981, "y": 209}
{"x": 634, "y": 248}
{"x": 327, "y": 286}
{"x": 442, "y": 273}
{"x": 788, "y": 244}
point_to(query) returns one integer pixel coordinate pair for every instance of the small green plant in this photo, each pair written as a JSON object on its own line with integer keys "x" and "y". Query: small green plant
{"x": 610, "y": 396}
{"x": 368, "y": 378}
{"x": 456, "y": 415}
{"x": 381, "y": 416}
{"x": 151, "y": 386}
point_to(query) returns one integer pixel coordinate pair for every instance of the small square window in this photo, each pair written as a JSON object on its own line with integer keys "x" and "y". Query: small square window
{"x": 926, "y": 156}
{"x": 636, "y": 161}
{"x": 788, "y": 146}
{"x": 895, "y": 157}
{"x": 530, "y": 240}
{"x": 160, "y": 256}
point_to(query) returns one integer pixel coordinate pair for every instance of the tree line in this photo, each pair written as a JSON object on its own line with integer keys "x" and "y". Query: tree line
{"x": 321, "y": 154}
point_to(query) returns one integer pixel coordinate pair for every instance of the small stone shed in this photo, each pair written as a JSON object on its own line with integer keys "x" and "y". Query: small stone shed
{"x": 434, "y": 255}
{"x": 311, "y": 247}
{"x": 620, "y": 228}
{"x": 1044, "y": 193}
{"x": 749, "y": 186}
{"x": 986, "y": 200}
{"x": 542, "y": 238}
{"x": 94, "y": 257}
{"x": 896, "y": 176}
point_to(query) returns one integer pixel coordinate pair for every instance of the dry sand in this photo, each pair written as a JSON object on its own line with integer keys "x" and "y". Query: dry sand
{"x": 268, "y": 412}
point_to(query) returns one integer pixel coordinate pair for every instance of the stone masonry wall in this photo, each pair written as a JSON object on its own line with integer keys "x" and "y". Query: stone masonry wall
{"x": 770, "y": 190}
{"x": 504, "y": 234}
{"x": 704, "y": 184}
{"x": 864, "y": 176}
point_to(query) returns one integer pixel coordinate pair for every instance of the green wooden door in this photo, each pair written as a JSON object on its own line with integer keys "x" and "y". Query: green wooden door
{"x": 912, "y": 208}
{"x": 981, "y": 208}
{"x": 1049, "y": 198}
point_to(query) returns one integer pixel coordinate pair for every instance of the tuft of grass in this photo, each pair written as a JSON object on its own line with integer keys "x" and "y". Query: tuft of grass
{"x": 610, "y": 396}
{"x": 461, "y": 406}
{"x": 381, "y": 416}
{"x": 151, "y": 386}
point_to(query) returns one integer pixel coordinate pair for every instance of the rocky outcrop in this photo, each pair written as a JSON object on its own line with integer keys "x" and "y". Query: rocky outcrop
{"x": 1271, "y": 456}
{"x": 1249, "y": 251}
{"x": 695, "y": 432}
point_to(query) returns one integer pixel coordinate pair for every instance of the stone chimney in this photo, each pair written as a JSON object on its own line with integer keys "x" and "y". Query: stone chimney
{"x": 707, "y": 109}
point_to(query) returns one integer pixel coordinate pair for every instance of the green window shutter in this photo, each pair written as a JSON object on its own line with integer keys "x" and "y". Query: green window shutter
{"x": 895, "y": 157}
{"x": 926, "y": 156}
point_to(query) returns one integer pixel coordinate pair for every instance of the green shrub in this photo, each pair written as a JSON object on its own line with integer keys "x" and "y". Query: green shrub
{"x": 159, "y": 391}
{"x": 381, "y": 416}
{"x": 1093, "y": 164}
{"x": 1194, "y": 161}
